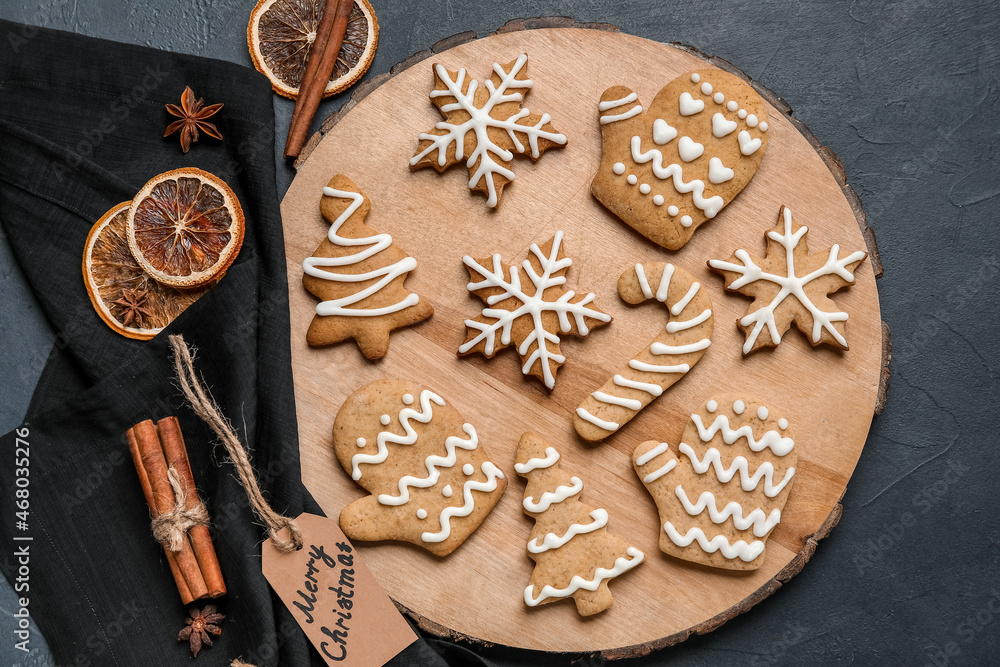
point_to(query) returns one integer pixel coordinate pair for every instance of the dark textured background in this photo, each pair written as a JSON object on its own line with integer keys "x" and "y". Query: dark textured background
{"x": 907, "y": 95}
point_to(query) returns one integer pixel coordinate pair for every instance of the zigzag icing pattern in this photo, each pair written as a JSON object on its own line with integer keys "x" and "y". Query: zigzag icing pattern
{"x": 764, "y": 474}
{"x": 622, "y": 564}
{"x": 779, "y": 444}
{"x": 550, "y": 497}
{"x": 696, "y": 187}
{"x": 553, "y": 541}
{"x": 433, "y": 463}
{"x": 405, "y": 415}
{"x": 740, "y": 549}
{"x": 492, "y": 475}
{"x": 760, "y": 522}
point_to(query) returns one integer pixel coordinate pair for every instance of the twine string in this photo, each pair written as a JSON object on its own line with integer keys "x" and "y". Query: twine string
{"x": 170, "y": 527}
{"x": 206, "y": 408}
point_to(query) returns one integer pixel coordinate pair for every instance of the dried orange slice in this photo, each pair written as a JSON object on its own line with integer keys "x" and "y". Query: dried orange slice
{"x": 281, "y": 35}
{"x": 126, "y": 297}
{"x": 185, "y": 227}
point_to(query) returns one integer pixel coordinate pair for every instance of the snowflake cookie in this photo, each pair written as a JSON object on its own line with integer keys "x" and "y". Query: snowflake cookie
{"x": 528, "y": 313}
{"x": 358, "y": 275}
{"x": 486, "y": 123}
{"x": 430, "y": 481}
{"x": 721, "y": 492}
{"x": 789, "y": 270}
{"x": 575, "y": 555}
{"x": 670, "y": 168}
{"x": 678, "y": 347}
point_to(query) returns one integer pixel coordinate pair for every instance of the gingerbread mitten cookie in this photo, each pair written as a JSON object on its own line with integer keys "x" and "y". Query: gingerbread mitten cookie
{"x": 358, "y": 274}
{"x": 668, "y": 169}
{"x": 721, "y": 493}
{"x": 430, "y": 481}
{"x": 575, "y": 556}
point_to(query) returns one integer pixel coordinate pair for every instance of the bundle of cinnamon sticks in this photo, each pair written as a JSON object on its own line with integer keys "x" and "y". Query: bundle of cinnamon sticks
{"x": 161, "y": 461}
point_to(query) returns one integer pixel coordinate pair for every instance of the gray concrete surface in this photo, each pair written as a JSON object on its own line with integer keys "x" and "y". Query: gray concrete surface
{"x": 907, "y": 95}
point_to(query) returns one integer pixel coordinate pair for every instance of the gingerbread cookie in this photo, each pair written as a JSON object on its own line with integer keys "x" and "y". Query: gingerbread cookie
{"x": 575, "y": 556}
{"x": 488, "y": 123}
{"x": 721, "y": 495}
{"x": 668, "y": 170}
{"x": 430, "y": 481}
{"x": 667, "y": 359}
{"x": 364, "y": 298}
{"x": 528, "y": 309}
{"x": 789, "y": 270}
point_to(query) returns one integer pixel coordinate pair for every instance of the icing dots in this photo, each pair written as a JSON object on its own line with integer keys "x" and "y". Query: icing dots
{"x": 658, "y": 200}
{"x": 673, "y": 210}
{"x": 739, "y": 407}
{"x": 686, "y": 220}
{"x": 385, "y": 419}
{"x": 712, "y": 406}
{"x": 762, "y": 413}
{"x": 447, "y": 491}
{"x": 407, "y": 399}
{"x": 706, "y": 88}
{"x": 644, "y": 188}
{"x": 719, "y": 98}
{"x": 421, "y": 513}
{"x": 361, "y": 442}
{"x": 752, "y": 120}
{"x": 782, "y": 423}
{"x": 618, "y": 168}
{"x": 732, "y": 105}
{"x": 632, "y": 179}
{"x": 468, "y": 469}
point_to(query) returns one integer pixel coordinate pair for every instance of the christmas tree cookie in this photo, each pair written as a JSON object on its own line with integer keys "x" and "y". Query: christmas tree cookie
{"x": 575, "y": 556}
{"x": 429, "y": 480}
{"x": 358, "y": 275}
{"x": 721, "y": 492}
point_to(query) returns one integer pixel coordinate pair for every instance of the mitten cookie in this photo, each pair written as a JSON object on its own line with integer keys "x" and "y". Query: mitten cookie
{"x": 789, "y": 270}
{"x": 669, "y": 169}
{"x": 430, "y": 481}
{"x": 668, "y": 358}
{"x": 721, "y": 495}
{"x": 575, "y": 556}
{"x": 529, "y": 311}
{"x": 364, "y": 298}
{"x": 487, "y": 122}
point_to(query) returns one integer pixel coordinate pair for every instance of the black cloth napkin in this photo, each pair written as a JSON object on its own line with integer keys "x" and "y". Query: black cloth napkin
{"x": 81, "y": 124}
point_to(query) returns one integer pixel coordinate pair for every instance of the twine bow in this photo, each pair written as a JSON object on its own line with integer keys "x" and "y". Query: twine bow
{"x": 205, "y": 407}
{"x": 169, "y": 528}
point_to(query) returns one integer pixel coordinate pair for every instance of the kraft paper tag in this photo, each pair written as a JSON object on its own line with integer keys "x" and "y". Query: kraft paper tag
{"x": 334, "y": 598}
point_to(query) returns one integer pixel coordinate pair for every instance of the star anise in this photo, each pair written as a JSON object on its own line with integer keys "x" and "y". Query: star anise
{"x": 200, "y": 625}
{"x": 193, "y": 117}
{"x": 133, "y": 307}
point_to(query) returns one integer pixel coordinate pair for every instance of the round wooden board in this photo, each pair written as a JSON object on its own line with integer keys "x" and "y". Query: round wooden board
{"x": 828, "y": 396}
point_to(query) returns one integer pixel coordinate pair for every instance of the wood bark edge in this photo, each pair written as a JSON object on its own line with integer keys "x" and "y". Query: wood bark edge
{"x": 835, "y": 166}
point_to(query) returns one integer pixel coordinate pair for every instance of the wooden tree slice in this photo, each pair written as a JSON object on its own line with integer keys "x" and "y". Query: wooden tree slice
{"x": 828, "y": 396}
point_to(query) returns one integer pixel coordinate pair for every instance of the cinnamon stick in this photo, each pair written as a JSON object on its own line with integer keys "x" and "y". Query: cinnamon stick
{"x": 147, "y": 490}
{"x": 155, "y": 464}
{"x": 319, "y": 67}
{"x": 201, "y": 540}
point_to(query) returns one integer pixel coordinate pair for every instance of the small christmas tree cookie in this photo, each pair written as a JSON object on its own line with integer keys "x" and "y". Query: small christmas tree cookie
{"x": 575, "y": 556}
{"x": 430, "y": 481}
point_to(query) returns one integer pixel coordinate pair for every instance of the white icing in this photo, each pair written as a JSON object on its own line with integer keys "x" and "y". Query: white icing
{"x": 644, "y": 188}
{"x": 622, "y": 564}
{"x": 480, "y": 121}
{"x": 686, "y": 221}
{"x": 661, "y": 348}
{"x": 361, "y": 442}
{"x": 551, "y": 456}
{"x": 740, "y": 549}
{"x": 447, "y": 491}
{"x": 710, "y": 206}
{"x": 732, "y": 105}
{"x": 640, "y": 274}
{"x": 722, "y": 127}
{"x": 742, "y": 113}
{"x": 597, "y": 421}
{"x": 790, "y": 285}
{"x": 682, "y": 325}
{"x": 763, "y": 126}
{"x": 549, "y": 498}
{"x": 433, "y": 464}
{"x": 654, "y": 368}
{"x": 711, "y": 406}
{"x": 490, "y": 485}
{"x": 760, "y": 522}
{"x": 689, "y": 149}
{"x": 614, "y": 104}
{"x": 663, "y": 290}
{"x": 553, "y": 541}
{"x": 752, "y": 120}
{"x": 662, "y": 132}
{"x": 695, "y": 77}
{"x": 405, "y": 415}
{"x": 719, "y": 98}
{"x": 771, "y": 439}
{"x": 762, "y": 412}
{"x": 632, "y": 179}
{"x": 673, "y": 210}
{"x": 421, "y": 513}
{"x": 618, "y": 168}
{"x": 534, "y": 305}
{"x": 629, "y": 403}
{"x": 706, "y": 88}
{"x": 690, "y": 106}
{"x": 385, "y": 419}
{"x": 658, "y": 200}
{"x": 316, "y": 266}
{"x": 679, "y": 307}
{"x": 739, "y": 407}
{"x": 782, "y": 423}
{"x": 660, "y": 472}
{"x": 748, "y": 146}
{"x": 613, "y": 118}
{"x": 652, "y": 454}
{"x": 647, "y": 387}
{"x": 763, "y": 475}
{"x": 718, "y": 172}
{"x": 407, "y": 399}
{"x": 468, "y": 469}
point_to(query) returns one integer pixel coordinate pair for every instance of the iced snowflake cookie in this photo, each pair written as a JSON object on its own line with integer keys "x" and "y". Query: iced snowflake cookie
{"x": 668, "y": 169}
{"x": 668, "y": 358}
{"x": 430, "y": 481}
{"x": 528, "y": 308}
{"x": 788, "y": 270}
{"x": 575, "y": 556}
{"x": 720, "y": 494}
{"x": 358, "y": 274}
{"x": 484, "y": 126}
